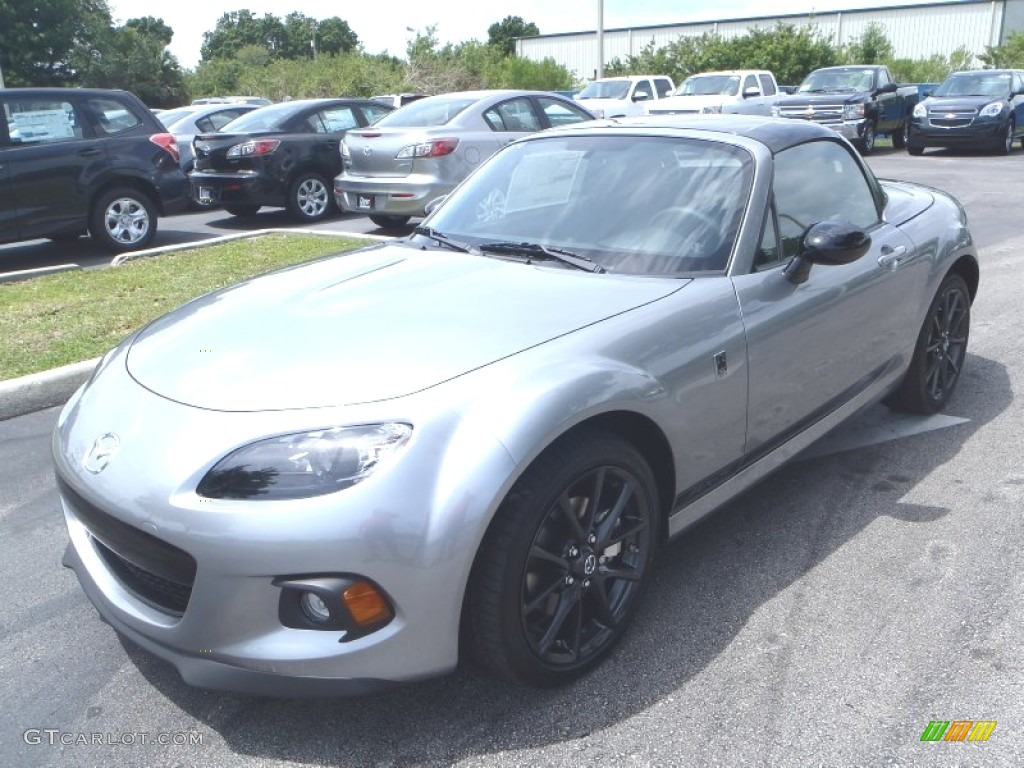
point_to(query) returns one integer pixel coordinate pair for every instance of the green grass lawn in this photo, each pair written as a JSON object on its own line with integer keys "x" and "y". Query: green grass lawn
{"x": 72, "y": 316}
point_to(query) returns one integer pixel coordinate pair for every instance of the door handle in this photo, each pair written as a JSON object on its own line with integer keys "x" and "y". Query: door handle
{"x": 90, "y": 152}
{"x": 891, "y": 256}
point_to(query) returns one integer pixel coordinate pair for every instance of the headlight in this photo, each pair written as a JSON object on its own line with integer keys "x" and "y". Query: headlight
{"x": 853, "y": 112}
{"x": 711, "y": 109}
{"x": 305, "y": 464}
{"x": 920, "y": 111}
{"x": 991, "y": 110}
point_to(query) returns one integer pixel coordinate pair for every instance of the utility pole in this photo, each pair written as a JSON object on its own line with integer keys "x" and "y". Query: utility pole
{"x": 600, "y": 38}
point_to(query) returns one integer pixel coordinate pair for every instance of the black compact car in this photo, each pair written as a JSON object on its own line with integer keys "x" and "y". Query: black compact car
{"x": 284, "y": 155}
{"x": 74, "y": 160}
{"x": 979, "y": 109}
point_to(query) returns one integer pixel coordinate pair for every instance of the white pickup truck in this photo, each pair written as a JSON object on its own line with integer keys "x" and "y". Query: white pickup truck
{"x": 624, "y": 96}
{"x": 744, "y": 91}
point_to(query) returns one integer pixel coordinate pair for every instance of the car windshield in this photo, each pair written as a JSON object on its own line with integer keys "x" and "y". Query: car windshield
{"x": 605, "y": 89}
{"x": 837, "y": 81}
{"x": 709, "y": 85}
{"x": 437, "y": 110}
{"x": 995, "y": 84}
{"x": 633, "y": 205}
{"x": 269, "y": 118}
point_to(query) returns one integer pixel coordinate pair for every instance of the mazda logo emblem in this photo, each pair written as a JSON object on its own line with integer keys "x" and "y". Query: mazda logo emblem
{"x": 590, "y": 564}
{"x": 102, "y": 451}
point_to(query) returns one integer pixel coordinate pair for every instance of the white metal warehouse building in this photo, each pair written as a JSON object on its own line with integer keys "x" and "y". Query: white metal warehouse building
{"x": 915, "y": 31}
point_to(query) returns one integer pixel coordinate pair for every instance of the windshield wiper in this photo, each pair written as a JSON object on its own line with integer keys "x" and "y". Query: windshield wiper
{"x": 538, "y": 251}
{"x": 443, "y": 239}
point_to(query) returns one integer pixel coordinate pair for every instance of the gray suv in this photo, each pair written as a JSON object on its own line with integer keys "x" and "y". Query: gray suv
{"x": 77, "y": 160}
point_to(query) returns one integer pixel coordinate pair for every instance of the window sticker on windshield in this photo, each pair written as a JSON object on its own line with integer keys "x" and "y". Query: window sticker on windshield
{"x": 542, "y": 179}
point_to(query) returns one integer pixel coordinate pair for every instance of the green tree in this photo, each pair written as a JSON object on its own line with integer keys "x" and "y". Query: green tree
{"x": 334, "y": 36}
{"x": 38, "y": 39}
{"x": 240, "y": 28}
{"x": 502, "y": 34}
{"x": 1009, "y": 54}
{"x": 872, "y": 47}
{"x": 134, "y": 57}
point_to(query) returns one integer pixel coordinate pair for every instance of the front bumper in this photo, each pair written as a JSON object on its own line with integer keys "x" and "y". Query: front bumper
{"x": 979, "y": 134}
{"x": 400, "y": 196}
{"x": 136, "y": 525}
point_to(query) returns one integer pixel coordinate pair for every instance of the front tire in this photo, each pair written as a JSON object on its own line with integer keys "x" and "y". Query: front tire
{"x": 915, "y": 151}
{"x": 310, "y": 198}
{"x": 1005, "y": 145}
{"x": 899, "y": 138}
{"x": 123, "y": 219}
{"x": 940, "y": 351}
{"x": 565, "y": 562}
{"x": 866, "y": 145}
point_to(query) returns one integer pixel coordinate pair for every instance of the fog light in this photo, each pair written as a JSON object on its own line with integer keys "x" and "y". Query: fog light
{"x": 315, "y": 608}
{"x": 366, "y": 604}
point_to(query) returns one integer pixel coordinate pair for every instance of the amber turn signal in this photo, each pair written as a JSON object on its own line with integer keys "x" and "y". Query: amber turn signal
{"x": 366, "y": 604}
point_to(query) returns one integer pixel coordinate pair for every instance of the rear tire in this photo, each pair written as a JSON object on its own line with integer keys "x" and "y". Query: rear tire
{"x": 242, "y": 210}
{"x": 940, "y": 351}
{"x": 389, "y": 222}
{"x": 310, "y": 198}
{"x": 123, "y": 219}
{"x": 565, "y": 561}
{"x": 899, "y": 138}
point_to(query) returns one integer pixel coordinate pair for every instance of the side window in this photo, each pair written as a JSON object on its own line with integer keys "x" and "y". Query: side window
{"x": 664, "y": 87}
{"x": 560, "y": 113}
{"x": 338, "y": 119}
{"x": 374, "y": 113}
{"x": 643, "y": 91}
{"x": 41, "y": 121}
{"x": 112, "y": 117}
{"x": 515, "y": 116}
{"x": 313, "y": 124}
{"x": 768, "y": 254}
{"x": 767, "y": 86}
{"x": 750, "y": 82}
{"x": 218, "y": 120}
{"x": 819, "y": 181}
{"x": 883, "y": 77}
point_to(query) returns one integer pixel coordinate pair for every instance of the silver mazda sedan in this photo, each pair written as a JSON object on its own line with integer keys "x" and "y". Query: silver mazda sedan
{"x": 346, "y": 474}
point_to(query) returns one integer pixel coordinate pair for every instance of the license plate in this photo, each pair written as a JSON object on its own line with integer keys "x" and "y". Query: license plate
{"x": 205, "y": 195}
{"x": 364, "y": 202}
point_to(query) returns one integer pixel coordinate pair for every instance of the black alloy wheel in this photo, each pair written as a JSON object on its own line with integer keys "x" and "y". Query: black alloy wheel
{"x": 566, "y": 561}
{"x": 940, "y": 352}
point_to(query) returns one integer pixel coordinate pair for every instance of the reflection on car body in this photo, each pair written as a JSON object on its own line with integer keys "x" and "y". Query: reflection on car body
{"x": 486, "y": 430}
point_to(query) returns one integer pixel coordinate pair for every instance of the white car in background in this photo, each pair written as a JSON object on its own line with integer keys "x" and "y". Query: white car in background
{"x": 749, "y": 92}
{"x": 624, "y": 96}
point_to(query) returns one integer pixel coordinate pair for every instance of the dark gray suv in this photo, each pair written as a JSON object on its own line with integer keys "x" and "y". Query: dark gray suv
{"x": 76, "y": 160}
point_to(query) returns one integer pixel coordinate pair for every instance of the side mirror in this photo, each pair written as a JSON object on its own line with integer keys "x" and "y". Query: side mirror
{"x": 434, "y": 204}
{"x": 887, "y": 88}
{"x": 829, "y": 243}
{"x": 640, "y": 96}
{"x": 751, "y": 92}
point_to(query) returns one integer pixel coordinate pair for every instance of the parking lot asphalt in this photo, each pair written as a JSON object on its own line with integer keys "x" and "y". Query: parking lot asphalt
{"x": 823, "y": 618}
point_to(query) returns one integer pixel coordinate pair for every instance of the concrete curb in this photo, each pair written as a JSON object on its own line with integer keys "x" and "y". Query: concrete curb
{"x": 46, "y": 389}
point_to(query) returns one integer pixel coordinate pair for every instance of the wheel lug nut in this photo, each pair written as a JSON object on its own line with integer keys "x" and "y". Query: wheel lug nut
{"x": 591, "y": 539}
{"x": 586, "y": 583}
{"x": 569, "y": 581}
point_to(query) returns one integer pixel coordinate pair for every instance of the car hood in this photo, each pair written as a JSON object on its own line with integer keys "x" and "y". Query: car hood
{"x": 606, "y": 105}
{"x": 959, "y": 102}
{"x": 841, "y": 97}
{"x": 372, "y": 325}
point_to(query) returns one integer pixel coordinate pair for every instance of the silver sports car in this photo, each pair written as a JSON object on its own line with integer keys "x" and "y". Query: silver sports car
{"x": 345, "y": 474}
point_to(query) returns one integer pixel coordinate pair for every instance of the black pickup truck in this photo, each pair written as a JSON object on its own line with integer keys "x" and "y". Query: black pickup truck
{"x": 859, "y": 102}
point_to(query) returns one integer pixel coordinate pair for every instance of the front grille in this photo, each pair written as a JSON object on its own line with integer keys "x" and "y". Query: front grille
{"x": 818, "y": 113}
{"x": 158, "y": 573}
{"x": 951, "y": 118}
{"x": 670, "y": 111}
{"x": 162, "y": 594}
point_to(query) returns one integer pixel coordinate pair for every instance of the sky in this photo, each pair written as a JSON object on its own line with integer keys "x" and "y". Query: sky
{"x": 386, "y": 27}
